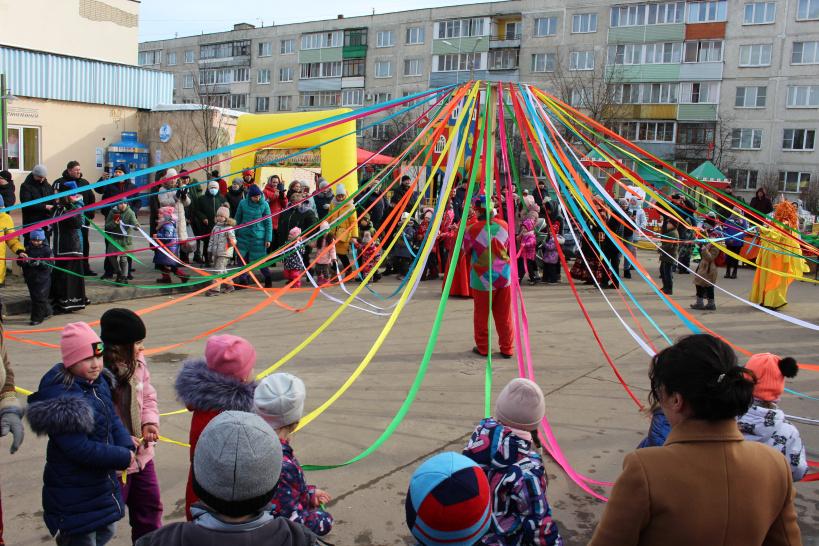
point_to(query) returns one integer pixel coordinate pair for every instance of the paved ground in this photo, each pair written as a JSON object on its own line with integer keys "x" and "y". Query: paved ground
{"x": 594, "y": 420}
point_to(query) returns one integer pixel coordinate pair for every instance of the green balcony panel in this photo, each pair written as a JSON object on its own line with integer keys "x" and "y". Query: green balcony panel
{"x": 643, "y": 73}
{"x": 647, "y": 33}
{"x": 354, "y": 52}
{"x": 320, "y": 55}
{"x": 697, "y": 112}
{"x": 465, "y": 45}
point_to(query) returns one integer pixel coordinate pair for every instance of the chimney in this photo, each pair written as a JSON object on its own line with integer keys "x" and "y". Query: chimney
{"x": 340, "y": 16}
{"x": 243, "y": 26}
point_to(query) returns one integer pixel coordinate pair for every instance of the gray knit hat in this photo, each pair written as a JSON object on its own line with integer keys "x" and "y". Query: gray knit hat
{"x": 279, "y": 399}
{"x": 237, "y": 463}
{"x": 520, "y": 405}
{"x": 39, "y": 170}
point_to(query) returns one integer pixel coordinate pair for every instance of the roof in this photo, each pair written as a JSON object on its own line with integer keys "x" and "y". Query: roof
{"x": 372, "y": 158}
{"x": 709, "y": 172}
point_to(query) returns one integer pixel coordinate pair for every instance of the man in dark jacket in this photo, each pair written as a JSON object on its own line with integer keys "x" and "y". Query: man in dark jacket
{"x": 112, "y": 190}
{"x": 203, "y": 214}
{"x": 7, "y": 188}
{"x": 761, "y": 202}
{"x": 36, "y": 186}
{"x": 73, "y": 173}
{"x": 323, "y": 199}
{"x": 236, "y": 465}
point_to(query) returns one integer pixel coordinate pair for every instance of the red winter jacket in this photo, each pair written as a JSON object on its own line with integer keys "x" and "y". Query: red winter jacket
{"x": 277, "y": 202}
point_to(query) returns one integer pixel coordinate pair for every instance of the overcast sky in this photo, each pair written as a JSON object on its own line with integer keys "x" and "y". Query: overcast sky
{"x": 160, "y": 19}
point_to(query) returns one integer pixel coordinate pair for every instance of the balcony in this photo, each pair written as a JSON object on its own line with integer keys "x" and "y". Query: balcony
{"x": 505, "y": 41}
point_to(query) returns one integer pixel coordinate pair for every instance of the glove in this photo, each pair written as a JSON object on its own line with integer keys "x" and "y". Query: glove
{"x": 280, "y": 186}
{"x": 10, "y": 422}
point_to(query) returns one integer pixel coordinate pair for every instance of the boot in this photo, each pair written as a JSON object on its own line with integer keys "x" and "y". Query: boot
{"x": 627, "y": 274}
{"x": 268, "y": 283}
{"x": 182, "y": 277}
{"x": 699, "y": 306}
{"x": 164, "y": 279}
{"x": 711, "y": 306}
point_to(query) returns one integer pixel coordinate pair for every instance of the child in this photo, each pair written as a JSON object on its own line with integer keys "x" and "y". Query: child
{"x": 122, "y": 332}
{"x": 13, "y": 243}
{"x": 221, "y": 381}
{"x": 325, "y": 260}
{"x": 279, "y": 400}
{"x": 403, "y": 252}
{"x": 118, "y": 228}
{"x": 368, "y": 254}
{"x": 220, "y": 248}
{"x": 87, "y": 442}
{"x": 293, "y": 260}
{"x": 168, "y": 239}
{"x": 528, "y": 248}
{"x": 38, "y": 276}
{"x": 551, "y": 260}
{"x": 706, "y": 276}
{"x": 502, "y": 447}
{"x": 765, "y": 422}
{"x": 668, "y": 254}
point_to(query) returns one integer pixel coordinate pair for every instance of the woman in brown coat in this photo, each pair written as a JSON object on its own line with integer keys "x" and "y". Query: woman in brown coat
{"x": 706, "y": 276}
{"x": 706, "y": 485}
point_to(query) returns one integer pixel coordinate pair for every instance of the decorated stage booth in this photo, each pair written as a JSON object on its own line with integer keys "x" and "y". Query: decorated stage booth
{"x": 330, "y": 150}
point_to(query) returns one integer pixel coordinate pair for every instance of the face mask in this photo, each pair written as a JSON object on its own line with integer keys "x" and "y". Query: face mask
{"x": 213, "y": 191}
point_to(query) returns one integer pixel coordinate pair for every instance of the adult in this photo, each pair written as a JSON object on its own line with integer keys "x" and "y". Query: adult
{"x": 616, "y": 226}
{"x": 223, "y": 186}
{"x": 376, "y": 203}
{"x": 248, "y": 179}
{"x": 323, "y": 199}
{"x": 638, "y": 217}
{"x": 707, "y": 484}
{"x": 734, "y": 230}
{"x": 401, "y": 190}
{"x": 779, "y": 261}
{"x": 192, "y": 189}
{"x": 73, "y": 173}
{"x": 686, "y": 209}
{"x": 7, "y": 188}
{"x": 35, "y": 187}
{"x": 487, "y": 240}
{"x": 112, "y": 190}
{"x": 235, "y": 194}
{"x": 11, "y": 411}
{"x": 68, "y": 283}
{"x": 761, "y": 202}
{"x": 236, "y": 467}
{"x": 298, "y": 214}
{"x": 459, "y": 195}
{"x": 275, "y": 196}
{"x": 253, "y": 240}
{"x": 346, "y": 228}
{"x": 203, "y": 215}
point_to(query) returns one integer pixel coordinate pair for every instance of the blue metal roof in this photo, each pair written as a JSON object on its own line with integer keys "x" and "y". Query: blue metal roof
{"x": 48, "y": 76}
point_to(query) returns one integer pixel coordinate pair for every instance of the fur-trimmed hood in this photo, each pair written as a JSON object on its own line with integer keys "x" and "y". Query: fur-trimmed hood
{"x": 203, "y": 389}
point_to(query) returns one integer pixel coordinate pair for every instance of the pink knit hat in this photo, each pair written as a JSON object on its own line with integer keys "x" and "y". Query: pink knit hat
{"x": 78, "y": 342}
{"x": 230, "y": 355}
{"x": 520, "y": 405}
{"x": 770, "y": 372}
{"x": 295, "y": 232}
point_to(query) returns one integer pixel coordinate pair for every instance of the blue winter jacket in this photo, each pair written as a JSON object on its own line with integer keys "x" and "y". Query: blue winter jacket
{"x": 734, "y": 229}
{"x": 658, "y": 430}
{"x": 251, "y": 239}
{"x": 168, "y": 236}
{"x": 87, "y": 442}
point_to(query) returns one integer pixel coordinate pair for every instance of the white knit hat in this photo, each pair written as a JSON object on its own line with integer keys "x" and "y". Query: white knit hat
{"x": 279, "y": 399}
{"x": 340, "y": 189}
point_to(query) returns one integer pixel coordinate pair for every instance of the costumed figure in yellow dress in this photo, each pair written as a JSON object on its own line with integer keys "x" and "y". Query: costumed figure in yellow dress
{"x": 779, "y": 253}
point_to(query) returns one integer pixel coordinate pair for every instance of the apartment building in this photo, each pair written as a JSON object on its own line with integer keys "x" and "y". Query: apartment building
{"x": 733, "y": 81}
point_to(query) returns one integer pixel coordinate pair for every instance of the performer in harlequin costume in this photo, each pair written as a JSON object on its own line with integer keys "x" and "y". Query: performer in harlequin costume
{"x": 778, "y": 252}
{"x": 485, "y": 241}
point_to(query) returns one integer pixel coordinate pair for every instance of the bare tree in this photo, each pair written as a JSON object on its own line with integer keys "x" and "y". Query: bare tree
{"x": 810, "y": 197}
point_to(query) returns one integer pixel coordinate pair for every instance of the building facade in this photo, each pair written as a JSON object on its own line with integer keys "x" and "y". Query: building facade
{"x": 732, "y": 81}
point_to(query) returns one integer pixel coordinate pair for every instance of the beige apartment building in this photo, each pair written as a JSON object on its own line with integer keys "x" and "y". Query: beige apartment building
{"x": 732, "y": 81}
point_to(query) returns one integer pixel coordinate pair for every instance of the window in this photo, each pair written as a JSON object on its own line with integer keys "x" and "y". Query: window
{"x": 385, "y": 38}
{"x": 454, "y": 62}
{"x": 150, "y": 57}
{"x": 383, "y": 69}
{"x": 699, "y": 93}
{"x": 321, "y": 70}
{"x": 172, "y": 58}
{"x": 743, "y": 179}
{"x": 545, "y": 26}
{"x": 283, "y": 103}
{"x": 352, "y": 97}
{"x": 798, "y": 139}
{"x": 646, "y": 131}
{"x": 241, "y": 75}
{"x": 383, "y": 97}
{"x": 664, "y": 14}
{"x": 23, "y": 147}
{"x": 319, "y": 99}
{"x": 629, "y": 16}
{"x": 805, "y": 53}
{"x": 461, "y": 28}
{"x": 703, "y": 51}
{"x": 707, "y": 12}
{"x": 265, "y": 49}
{"x": 189, "y": 56}
{"x": 695, "y": 134}
{"x": 225, "y": 50}
{"x": 263, "y": 76}
{"x": 807, "y": 9}
{"x": 415, "y": 35}
{"x": 287, "y": 47}
{"x": 262, "y": 104}
{"x": 353, "y": 68}
{"x": 238, "y": 102}
{"x": 581, "y": 60}
{"x": 318, "y": 40}
{"x": 503, "y": 59}
{"x": 440, "y": 144}
{"x": 751, "y": 97}
{"x": 379, "y": 132}
{"x": 662, "y": 53}
{"x": 543, "y": 62}
{"x": 513, "y": 30}
{"x": 355, "y": 38}
{"x": 286, "y": 74}
{"x": 755, "y": 55}
{"x": 627, "y": 93}
{"x": 660, "y": 93}
{"x": 793, "y": 181}
{"x": 803, "y": 96}
{"x": 759, "y": 13}
{"x": 625, "y": 54}
{"x": 584, "y": 22}
{"x": 187, "y": 81}
{"x": 413, "y": 67}
{"x": 746, "y": 139}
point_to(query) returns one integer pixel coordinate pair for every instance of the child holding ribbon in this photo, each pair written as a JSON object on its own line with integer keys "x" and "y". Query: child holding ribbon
{"x": 122, "y": 332}
{"x": 294, "y": 259}
{"x": 325, "y": 259}
{"x": 220, "y": 247}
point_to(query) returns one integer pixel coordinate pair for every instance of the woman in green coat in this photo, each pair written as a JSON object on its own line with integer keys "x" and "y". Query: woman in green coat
{"x": 254, "y": 240}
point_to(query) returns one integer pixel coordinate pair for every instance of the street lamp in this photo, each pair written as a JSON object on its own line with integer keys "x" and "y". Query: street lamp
{"x": 5, "y": 96}
{"x": 470, "y": 61}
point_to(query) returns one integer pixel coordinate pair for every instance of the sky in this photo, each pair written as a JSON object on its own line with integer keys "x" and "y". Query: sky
{"x": 161, "y": 19}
